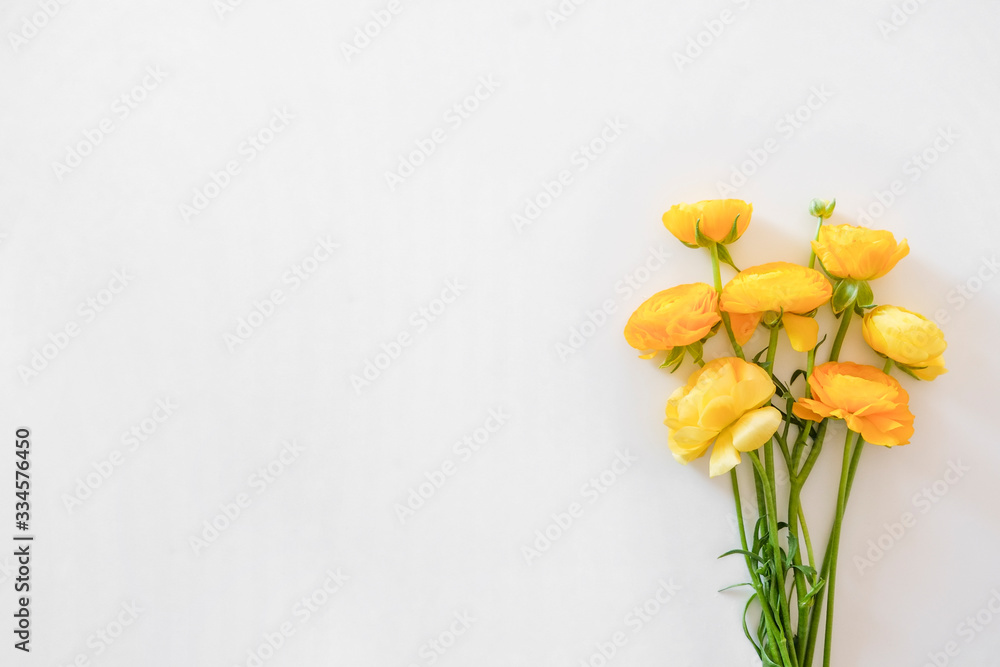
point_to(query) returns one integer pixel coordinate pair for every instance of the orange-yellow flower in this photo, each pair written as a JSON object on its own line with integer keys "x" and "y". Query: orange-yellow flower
{"x": 714, "y": 217}
{"x": 858, "y": 253}
{"x": 722, "y": 402}
{"x": 908, "y": 338}
{"x": 871, "y": 402}
{"x": 788, "y": 290}
{"x": 673, "y": 318}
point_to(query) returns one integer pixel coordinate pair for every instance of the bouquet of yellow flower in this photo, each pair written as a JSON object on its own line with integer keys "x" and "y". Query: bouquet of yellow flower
{"x": 735, "y": 405}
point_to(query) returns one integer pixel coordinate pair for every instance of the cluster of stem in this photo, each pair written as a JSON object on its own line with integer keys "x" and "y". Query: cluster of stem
{"x": 790, "y": 593}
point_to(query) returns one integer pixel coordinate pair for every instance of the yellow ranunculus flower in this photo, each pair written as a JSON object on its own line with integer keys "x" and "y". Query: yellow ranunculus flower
{"x": 673, "y": 318}
{"x": 872, "y": 403}
{"x": 858, "y": 253}
{"x": 782, "y": 288}
{"x": 715, "y": 218}
{"x": 724, "y": 402}
{"x": 908, "y": 338}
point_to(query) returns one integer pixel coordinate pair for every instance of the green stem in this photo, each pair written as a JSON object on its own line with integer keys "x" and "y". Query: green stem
{"x": 764, "y": 604}
{"x": 784, "y": 646}
{"x": 850, "y": 465}
{"x": 812, "y": 253}
{"x": 810, "y": 365}
{"x": 717, "y": 275}
{"x": 794, "y": 514}
{"x": 845, "y": 323}
{"x": 770, "y": 488}
{"x": 887, "y": 367}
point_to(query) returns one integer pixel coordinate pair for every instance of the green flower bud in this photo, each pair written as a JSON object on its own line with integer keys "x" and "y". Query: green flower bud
{"x": 821, "y": 208}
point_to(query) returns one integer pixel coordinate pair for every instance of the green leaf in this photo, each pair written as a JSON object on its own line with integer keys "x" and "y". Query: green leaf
{"x": 727, "y": 588}
{"x": 725, "y": 257}
{"x": 844, "y": 295}
{"x": 745, "y": 553}
{"x": 746, "y": 630}
{"x": 806, "y": 600}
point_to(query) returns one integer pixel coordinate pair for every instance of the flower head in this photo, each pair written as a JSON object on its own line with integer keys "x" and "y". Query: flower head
{"x": 718, "y": 220}
{"x": 871, "y": 402}
{"x": 908, "y": 338}
{"x": 722, "y": 402}
{"x": 676, "y": 317}
{"x": 786, "y": 289}
{"x": 858, "y": 253}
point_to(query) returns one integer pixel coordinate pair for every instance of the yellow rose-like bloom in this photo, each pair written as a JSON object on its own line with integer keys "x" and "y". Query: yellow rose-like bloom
{"x": 871, "y": 402}
{"x": 722, "y": 402}
{"x": 779, "y": 287}
{"x": 908, "y": 338}
{"x": 857, "y": 252}
{"x": 716, "y": 217}
{"x": 673, "y": 318}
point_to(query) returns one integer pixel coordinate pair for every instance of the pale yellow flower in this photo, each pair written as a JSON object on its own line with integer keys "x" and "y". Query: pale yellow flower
{"x": 908, "y": 338}
{"x": 726, "y": 402}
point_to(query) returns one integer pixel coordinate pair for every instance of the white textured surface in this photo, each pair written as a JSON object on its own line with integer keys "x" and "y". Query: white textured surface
{"x": 877, "y": 101}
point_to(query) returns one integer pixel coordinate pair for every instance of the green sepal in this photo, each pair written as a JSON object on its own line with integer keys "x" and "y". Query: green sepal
{"x": 733, "y": 231}
{"x": 866, "y": 298}
{"x": 674, "y": 358}
{"x": 845, "y": 294}
{"x": 908, "y": 369}
{"x": 700, "y": 238}
{"x": 697, "y": 351}
{"x": 725, "y": 257}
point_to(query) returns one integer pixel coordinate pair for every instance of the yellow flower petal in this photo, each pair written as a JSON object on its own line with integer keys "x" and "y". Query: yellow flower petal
{"x": 931, "y": 369}
{"x": 718, "y": 414}
{"x": 802, "y": 331}
{"x": 724, "y": 456}
{"x": 753, "y": 429}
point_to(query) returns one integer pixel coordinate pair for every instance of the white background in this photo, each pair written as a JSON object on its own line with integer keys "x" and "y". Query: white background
{"x": 867, "y": 101}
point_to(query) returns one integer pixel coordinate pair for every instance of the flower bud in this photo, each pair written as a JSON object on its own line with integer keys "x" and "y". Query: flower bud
{"x": 821, "y": 208}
